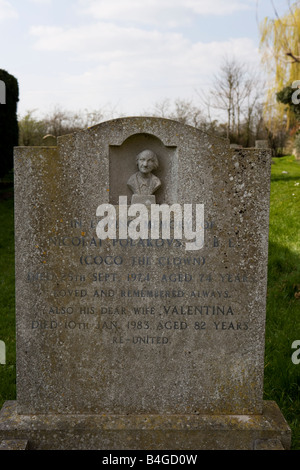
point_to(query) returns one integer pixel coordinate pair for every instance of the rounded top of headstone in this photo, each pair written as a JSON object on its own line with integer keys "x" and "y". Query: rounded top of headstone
{"x": 169, "y": 131}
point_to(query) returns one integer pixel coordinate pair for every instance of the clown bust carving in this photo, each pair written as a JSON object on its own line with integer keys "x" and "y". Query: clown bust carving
{"x": 143, "y": 182}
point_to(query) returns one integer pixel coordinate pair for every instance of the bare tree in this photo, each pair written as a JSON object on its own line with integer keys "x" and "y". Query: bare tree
{"x": 235, "y": 92}
{"x": 59, "y": 122}
{"x": 226, "y": 94}
{"x": 31, "y": 129}
{"x": 34, "y": 131}
{"x": 181, "y": 110}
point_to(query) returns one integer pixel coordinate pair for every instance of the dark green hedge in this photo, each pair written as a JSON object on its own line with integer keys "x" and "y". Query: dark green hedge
{"x": 9, "y": 133}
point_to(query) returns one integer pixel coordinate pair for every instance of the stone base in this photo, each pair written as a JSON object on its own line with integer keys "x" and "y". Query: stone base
{"x": 142, "y": 199}
{"x": 17, "y": 444}
{"x": 147, "y": 432}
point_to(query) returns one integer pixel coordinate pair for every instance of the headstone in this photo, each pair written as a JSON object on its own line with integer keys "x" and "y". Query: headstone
{"x": 262, "y": 144}
{"x": 236, "y": 146}
{"x": 296, "y": 154}
{"x": 140, "y": 300}
{"x": 49, "y": 140}
{"x": 14, "y": 445}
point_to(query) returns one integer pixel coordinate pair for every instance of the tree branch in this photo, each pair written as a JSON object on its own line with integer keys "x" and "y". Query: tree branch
{"x": 296, "y": 59}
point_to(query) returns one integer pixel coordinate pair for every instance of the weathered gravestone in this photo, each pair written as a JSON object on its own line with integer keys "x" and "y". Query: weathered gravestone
{"x": 262, "y": 144}
{"x": 144, "y": 339}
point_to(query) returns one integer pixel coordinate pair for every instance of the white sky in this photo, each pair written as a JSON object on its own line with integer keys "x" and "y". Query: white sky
{"x": 125, "y": 55}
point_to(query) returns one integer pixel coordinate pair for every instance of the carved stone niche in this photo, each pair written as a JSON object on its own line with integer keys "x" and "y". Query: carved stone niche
{"x": 122, "y": 165}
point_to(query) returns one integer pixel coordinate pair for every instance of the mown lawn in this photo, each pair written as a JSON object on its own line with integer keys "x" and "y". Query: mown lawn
{"x": 282, "y": 376}
{"x": 7, "y": 294}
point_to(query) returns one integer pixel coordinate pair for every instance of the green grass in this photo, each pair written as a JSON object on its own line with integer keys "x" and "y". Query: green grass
{"x": 7, "y": 295}
{"x": 282, "y": 377}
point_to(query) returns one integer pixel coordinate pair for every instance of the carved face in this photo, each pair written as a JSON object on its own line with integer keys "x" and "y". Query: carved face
{"x": 146, "y": 162}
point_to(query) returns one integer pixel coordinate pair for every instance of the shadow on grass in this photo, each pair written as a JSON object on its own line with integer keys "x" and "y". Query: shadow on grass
{"x": 282, "y": 376}
{"x": 285, "y": 178}
{"x": 7, "y": 293}
{"x": 6, "y": 191}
